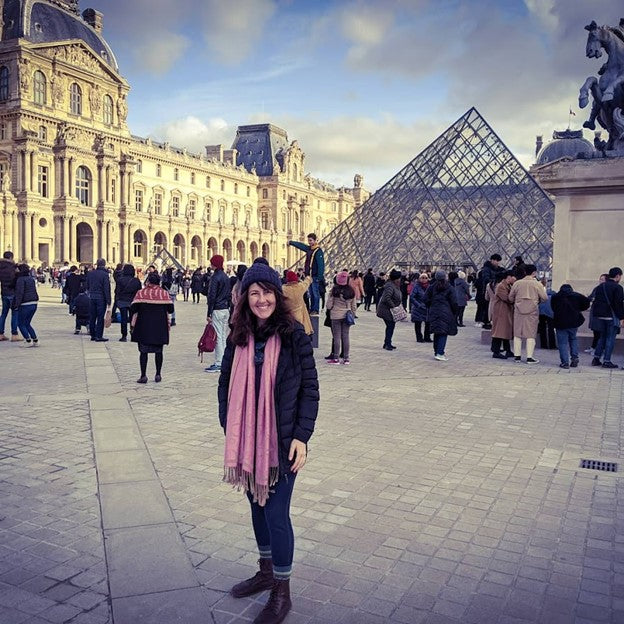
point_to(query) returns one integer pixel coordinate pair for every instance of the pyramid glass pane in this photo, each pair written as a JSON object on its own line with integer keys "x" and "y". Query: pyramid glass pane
{"x": 463, "y": 198}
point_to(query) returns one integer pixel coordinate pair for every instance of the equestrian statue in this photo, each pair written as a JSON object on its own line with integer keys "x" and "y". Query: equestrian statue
{"x": 607, "y": 90}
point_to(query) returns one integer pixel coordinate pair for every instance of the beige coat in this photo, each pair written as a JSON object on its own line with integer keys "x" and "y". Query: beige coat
{"x": 293, "y": 297}
{"x": 358, "y": 287}
{"x": 526, "y": 295}
{"x": 338, "y": 307}
{"x": 502, "y": 312}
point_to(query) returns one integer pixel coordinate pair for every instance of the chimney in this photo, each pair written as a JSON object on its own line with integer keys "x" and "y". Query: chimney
{"x": 539, "y": 141}
{"x": 94, "y": 19}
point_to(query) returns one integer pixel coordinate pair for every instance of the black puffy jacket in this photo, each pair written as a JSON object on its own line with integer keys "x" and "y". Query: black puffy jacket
{"x": 25, "y": 291}
{"x": 441, "y": 308}
{"x": 7, "y": 276}
{"x": 296, "y": 391}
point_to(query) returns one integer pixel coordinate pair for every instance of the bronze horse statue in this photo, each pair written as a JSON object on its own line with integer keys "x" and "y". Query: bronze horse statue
{"x": 608, "y": 90}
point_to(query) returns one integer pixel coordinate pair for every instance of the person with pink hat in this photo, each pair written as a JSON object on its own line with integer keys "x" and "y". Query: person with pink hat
{"x": 340, "y": 302}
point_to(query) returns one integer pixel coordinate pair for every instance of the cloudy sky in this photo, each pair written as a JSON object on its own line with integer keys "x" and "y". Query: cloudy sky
{"x": 363, "y": 85}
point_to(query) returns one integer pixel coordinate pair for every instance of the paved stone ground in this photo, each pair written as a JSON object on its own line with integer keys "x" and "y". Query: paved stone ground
{"x": 440, "y": 493}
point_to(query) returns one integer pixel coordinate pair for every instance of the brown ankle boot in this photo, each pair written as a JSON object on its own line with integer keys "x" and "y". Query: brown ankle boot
{"x": 278, "y": 605}
{"x": 259, "y": 582}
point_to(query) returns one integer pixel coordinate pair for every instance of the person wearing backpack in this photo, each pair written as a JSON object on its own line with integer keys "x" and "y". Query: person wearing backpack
{"x": 526, "y": 294}
{"x": 567, "y": 306}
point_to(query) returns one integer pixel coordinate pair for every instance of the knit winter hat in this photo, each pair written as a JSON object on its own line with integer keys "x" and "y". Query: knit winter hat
{"x": 342, "y": 279}
{"x": 291, "y": 277}
{"x": 440, "y": 275}
{"x": 217, "y": 261}
{"x": 259, "y": 271}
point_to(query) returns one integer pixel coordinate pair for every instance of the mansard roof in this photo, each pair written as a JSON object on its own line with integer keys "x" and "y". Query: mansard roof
{"x": 259, "y": 147}
{"x": 48, "y": 21}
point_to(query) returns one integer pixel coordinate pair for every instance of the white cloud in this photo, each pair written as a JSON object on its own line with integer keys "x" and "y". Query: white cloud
{"x": 160, "y": 53}
{"x": 195, "y": 134}
{"x": 232, "y": 30}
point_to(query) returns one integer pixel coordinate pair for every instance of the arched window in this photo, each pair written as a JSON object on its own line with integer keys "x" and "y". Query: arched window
{"x": 4, "y": 83}
{"x": 265, "y": 193}
{"x": 139, "y": 166}
{"x": 75, "y": 99}
{"x": 39, "y": 88}
{"x": 235, "y": 189}
{"x": 108, "y": 110}
{"x": 83, "y": 186}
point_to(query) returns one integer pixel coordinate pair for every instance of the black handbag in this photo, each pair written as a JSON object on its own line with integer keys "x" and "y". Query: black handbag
{"x": 327, "y": 321}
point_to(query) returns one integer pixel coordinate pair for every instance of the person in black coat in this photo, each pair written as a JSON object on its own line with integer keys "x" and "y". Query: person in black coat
{"x": 369, "y": 289}
{"x": 567, "y": 306}
{"x": 267, "y": 369}
{"x": 196, "y": 284}
{"x": 74, "y": 283}
{"x": 126, "y": 287}
{"x": 442, "y": 312}
{"x": 81, "y": 307}
{"x": 150, "y": 324}
{"x": 25, "y": 304}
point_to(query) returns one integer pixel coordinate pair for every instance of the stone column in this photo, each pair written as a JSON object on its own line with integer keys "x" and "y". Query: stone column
{"x": 73, "y": 255}
{"x": 122, "y": 188}
{"x": 108, "y": 183}
{"x": 65, "y": 238}
{"x": 35, "y": 237}
{"x": 122, "y": 243}
{"x": 70, "y": 176}
{"x": 27, "y": 242}
{"x": 129, "y": 196}
{"x": 100, "y": 185}
{"x": 31, "y": 168}
{"x": 22, "y": 165}
{"x": 130, "y": 241}
{"x": 14, "y": 232}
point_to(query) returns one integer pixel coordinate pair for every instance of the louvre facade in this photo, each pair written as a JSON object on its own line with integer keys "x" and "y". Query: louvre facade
{"x": 463, "y": 198}
{"x": 76, "y": 185}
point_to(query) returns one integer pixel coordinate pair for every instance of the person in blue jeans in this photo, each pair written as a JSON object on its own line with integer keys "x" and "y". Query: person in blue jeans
{"x": 314, "y": 267}
{"x": 25, "y": 304}
{"x": 608, "y": 315}
{"x": 8, "y": 276}
{"x": 567, "y": 306}
{"x": 99, "y": 289}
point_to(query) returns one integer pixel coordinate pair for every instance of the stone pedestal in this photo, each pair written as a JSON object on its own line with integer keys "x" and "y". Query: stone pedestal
{"x": 589, "y": 218}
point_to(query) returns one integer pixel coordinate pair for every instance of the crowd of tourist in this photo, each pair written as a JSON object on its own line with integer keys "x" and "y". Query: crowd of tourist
{"x": 268, "y": 390}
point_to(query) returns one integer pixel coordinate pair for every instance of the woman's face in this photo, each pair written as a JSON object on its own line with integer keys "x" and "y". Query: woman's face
{"x": 261, "y": 301}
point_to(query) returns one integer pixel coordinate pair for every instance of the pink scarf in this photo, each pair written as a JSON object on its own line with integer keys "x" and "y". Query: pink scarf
{"x": 251, "y": 456}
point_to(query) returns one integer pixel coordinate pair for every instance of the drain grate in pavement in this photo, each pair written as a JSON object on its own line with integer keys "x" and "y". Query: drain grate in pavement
{"x": 594, "y": 464}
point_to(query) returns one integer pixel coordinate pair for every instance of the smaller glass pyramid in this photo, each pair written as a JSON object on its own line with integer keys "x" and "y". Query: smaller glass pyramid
{"x": 463, "y": 198}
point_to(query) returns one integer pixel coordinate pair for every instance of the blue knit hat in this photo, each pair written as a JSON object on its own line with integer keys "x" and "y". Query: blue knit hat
{"x": 260, "y": 271}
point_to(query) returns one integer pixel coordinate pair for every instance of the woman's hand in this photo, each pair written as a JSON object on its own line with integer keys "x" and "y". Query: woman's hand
{"x": 298, "y": 452}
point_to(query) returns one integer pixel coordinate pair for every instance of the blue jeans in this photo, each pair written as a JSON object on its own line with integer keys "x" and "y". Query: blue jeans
{"x": 25, "y": 314}
{"x": 123, "y": 316}
{"x": 390, "y": 325}
{"x": 567, "y": 343}
{"x": 439, "y": 343}
{"x": 7, "y": 300}
{"x": 315, "y": 296}
{"x": 97, "y": 311}
{"x": 272, "y": 526}
{"x": 606, "y": 342}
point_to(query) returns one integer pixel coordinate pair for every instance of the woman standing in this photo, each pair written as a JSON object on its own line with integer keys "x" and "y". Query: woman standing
{"x": 442, "y": 306}
{"x": 150, "y": 323}
{"x": 462, "y": 294}
{"x": 390, "y": 298}
{"x": 341, "y": 299}
{"x": 268, "y": 402}
{"x": 186, "y": 285}
{"x": 127, "y": 286}
{"x": 294, "y": 290}
{"x": 196, "y": 284}
{"x": 25, "y": 304}
{"x": 502, "y": 317}
{"x": 357, "y": 283}
{"x": 418, "y": 309}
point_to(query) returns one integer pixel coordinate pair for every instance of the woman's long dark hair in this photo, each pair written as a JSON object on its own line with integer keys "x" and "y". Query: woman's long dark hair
{"x": 244, "y": 322}
{"x": 346, "y": 291}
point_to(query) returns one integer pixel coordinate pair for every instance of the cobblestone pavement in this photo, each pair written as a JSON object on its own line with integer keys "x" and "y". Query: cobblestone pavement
{"x": 436, "y": 492}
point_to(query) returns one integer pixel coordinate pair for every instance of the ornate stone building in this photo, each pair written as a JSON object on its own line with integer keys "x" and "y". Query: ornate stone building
{"x": 76, "y": 185}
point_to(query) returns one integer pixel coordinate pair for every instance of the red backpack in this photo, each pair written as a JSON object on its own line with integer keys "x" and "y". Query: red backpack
{"x": 207, "y": 342}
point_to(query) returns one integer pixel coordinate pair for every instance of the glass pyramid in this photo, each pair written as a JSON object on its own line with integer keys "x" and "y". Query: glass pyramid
{"x": 463, "y": 198}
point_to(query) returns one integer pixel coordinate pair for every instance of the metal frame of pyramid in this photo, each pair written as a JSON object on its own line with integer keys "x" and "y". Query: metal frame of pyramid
{"x": 463, "y": 198}
{"x": 166, "y": 259}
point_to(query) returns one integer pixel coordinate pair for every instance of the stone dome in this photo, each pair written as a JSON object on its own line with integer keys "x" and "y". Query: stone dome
{"x": 565, "y": 144}
{"x": 48, "y": 21}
